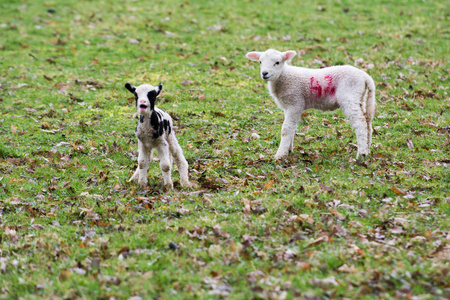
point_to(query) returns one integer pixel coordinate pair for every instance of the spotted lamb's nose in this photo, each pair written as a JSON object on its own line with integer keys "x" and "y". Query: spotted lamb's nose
{"x": 265, "y": 73}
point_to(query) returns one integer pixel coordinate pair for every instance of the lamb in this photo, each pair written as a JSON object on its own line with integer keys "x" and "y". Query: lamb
{"x": 296, "y": 89}
{"x": 155, "y": 130}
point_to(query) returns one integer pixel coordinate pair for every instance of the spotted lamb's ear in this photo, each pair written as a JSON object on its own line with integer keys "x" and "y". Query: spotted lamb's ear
{"x": 130, "y": 87}
{"x": 288, "y": 55}
{"x": 159, "y": 89}
{"x": 254, "y": 55}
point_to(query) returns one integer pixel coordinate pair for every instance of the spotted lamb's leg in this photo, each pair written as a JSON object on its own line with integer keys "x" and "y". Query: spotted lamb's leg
{"x": 355, "y": 114}
{"x": 288, "y": 129}
{"x": 180, "y": 160}
{"x": 135, "y": 176}
{"x": 164, "y": 164}
{"x": 143, "y": 162}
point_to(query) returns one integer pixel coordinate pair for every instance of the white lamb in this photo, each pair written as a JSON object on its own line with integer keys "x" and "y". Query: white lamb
{"x": 155, "y": 130}
{"x": 296, "y": 89}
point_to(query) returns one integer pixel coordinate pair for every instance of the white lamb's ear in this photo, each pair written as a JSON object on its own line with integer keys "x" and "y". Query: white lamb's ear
{"x": 254, "y": 55}
{"x": 288, "y": 55}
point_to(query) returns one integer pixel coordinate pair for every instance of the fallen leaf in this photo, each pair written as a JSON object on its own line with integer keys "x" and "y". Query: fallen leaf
{"x": 326, "y": 188}
{"x": 442, "y": 255}
{"x": 325, "y": 282}
{"x": 269, "y": 184}
{"x": 187, "y": 82}
{"x": 319, "y": 240}
{"x": 396, "y": 229}
{"x": 37, "y": 226}
{"x": 347, "y": 269}
{"x": 355, "y": 224}
{"x": 400, "y": 221}
{"x": 259, "y": 210}
{"x": 362, "y": 213}
{"x": 418, "y": 238}
{"x": 410, "y": 144}
{"x": 173, "y": 246}
{"x": 110, "y": 279}
{"x": 398, "y": 191}
{"x": 356, "y": 249}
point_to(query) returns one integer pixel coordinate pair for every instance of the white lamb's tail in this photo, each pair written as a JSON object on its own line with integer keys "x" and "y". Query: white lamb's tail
{"x": 370, "y": 102}
{"x": 370, "y": 107}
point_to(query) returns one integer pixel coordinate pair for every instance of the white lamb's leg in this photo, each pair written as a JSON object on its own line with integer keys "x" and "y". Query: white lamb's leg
{"x": 180, "y": 161}
{"x": 288, "y": 129}
{"x": 357, "y": 119}
{"x": 143, "y": 161}
{"x": 164, "y": 164}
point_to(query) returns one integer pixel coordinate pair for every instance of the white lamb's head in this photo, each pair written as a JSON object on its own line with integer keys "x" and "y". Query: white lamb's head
{"x": 272, "y": 62}
{"x": 145, "y": 96}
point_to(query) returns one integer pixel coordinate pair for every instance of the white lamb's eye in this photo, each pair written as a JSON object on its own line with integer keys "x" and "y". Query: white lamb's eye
{"x": 277, "y": 63}
{"x": 259, "y": 62}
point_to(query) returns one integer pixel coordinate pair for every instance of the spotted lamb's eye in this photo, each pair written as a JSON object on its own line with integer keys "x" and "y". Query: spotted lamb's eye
{"x": 260, "y": 62}
{"x": 277, "y": 63}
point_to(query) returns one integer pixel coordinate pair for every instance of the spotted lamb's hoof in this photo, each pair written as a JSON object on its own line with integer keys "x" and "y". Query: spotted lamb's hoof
{"x": 143, "y": 183}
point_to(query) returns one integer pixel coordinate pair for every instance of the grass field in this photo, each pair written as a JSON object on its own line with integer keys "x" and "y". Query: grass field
{"x": 318, "y": 225}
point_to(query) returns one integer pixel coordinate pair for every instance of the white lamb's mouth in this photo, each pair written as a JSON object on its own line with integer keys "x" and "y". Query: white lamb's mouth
{"x": 266, "y": 77}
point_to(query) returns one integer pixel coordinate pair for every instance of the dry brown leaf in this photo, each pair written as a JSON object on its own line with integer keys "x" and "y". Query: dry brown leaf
{"x": 398, "y": 191}
{"x": 325, "y": 282}
{"x": 187, "y": 82}
{"x": 400, "y": 221}
{"x": 347, "y": 269}
{"x": 269, "y": 184}
{"x": 37, "y": 226}
{"x": 410, "y": 144}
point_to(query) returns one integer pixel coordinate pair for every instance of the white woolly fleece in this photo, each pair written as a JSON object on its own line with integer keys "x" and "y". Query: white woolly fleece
{"x": 296, "y": 89}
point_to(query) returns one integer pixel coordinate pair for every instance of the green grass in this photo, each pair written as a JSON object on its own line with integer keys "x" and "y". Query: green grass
{"x": 321, "y": 224}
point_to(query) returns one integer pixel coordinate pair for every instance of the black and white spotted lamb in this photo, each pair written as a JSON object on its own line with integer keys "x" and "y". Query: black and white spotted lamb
{"x": 155, "y": 130}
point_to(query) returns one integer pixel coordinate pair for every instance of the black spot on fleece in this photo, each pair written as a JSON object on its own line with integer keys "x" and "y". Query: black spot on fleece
{"x": 159, "y": 124}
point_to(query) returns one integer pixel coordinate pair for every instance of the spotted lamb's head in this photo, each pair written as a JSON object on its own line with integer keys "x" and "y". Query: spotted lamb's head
{"x": 272, "y": 62}
{"x": 145, "y": 96}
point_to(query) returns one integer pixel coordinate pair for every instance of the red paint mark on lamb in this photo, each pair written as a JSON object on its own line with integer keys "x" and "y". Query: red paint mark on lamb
{"x": 315, "y": 87}
{"x": 330, "y": 89}
{"x": 317, "y": 90}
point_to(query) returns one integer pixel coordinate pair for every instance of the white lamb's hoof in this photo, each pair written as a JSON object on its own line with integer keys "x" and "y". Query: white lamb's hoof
{"x": 362, "y": 154}
{"x": 168, "y": 186}
{"x": 280, "y": 156}
{"x": 188, "y": 184}
{"x": 184, "y": 182}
